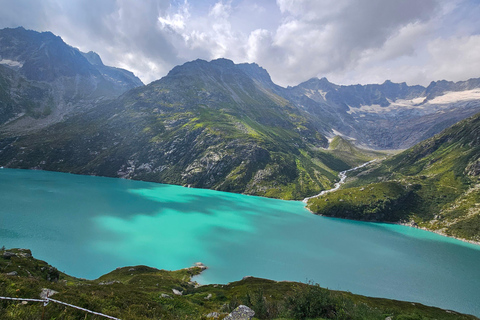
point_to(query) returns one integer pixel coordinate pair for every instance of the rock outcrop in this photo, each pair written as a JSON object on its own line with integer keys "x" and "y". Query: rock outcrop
{"x": 241, "y": 313}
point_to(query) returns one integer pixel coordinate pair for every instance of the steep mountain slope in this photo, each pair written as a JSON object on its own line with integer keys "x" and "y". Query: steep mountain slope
{"x": 206, "y": 124}
{"x": 19, "y": 97}
{"x": 70, "y": 80}
{"x": 390, "y": 115}
{"x": 435, "y": 185}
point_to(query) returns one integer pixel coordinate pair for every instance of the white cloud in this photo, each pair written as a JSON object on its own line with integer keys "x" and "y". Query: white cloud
{"x": 346, "y": 40}
{"x": 220, "y": 11}
{"x": 258, "y": 40}
{"x": 175, "y": 22}
{"x": 455, "y": 58}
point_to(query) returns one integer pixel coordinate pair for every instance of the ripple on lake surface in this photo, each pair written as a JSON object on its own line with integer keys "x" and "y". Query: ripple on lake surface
{"x": 88, "y": 226}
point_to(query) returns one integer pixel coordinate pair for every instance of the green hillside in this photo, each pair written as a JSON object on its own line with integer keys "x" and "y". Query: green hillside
{"x": 350, "y": 153}
{"x": 206, "y": 125}
{"x": 141, "y": 292}
{"x": 434, "y": 185}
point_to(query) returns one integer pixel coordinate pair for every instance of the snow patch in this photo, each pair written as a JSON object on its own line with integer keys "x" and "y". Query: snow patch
{"x": 12, "y": 63}
{"x": 374, "y": 108}
{"x": 456, "y": 96}
{"x": 335, "y": 133}
{"x": 338, "y": 133}
{"x": 434, "y": 105}
{"x": 310, "y": 93}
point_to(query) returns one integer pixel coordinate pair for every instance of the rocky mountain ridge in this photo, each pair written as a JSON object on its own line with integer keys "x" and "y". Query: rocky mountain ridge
{"x": 388, "y": 115}
{"x": 67, "y": 81}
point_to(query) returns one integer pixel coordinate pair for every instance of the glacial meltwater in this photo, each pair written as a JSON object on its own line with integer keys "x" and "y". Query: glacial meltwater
{"x": 87, "y": 226}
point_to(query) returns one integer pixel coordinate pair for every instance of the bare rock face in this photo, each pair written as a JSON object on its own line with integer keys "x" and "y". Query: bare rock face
{"x": 8, "y": 255}
{"x": 200, "y": 265}
{"x": 473, "y": 169}
{"x": 21, "y": 253}
{"x": 214, "y": 315}
{"x": 241, "y": 313}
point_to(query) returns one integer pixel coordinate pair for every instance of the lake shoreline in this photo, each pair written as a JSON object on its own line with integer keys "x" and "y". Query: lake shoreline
{"x": 400, "y": 224}
{"x": 343, "y": 176}
{"x": 305, "y": 200}
{"x": 437, "y": 232}
{"x": 118, "y": 222}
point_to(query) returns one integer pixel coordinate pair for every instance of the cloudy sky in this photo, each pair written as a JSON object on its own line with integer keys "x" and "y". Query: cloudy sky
{"x": 347, "y": 41}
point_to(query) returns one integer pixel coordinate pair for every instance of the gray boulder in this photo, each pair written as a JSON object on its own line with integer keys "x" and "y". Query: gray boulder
{"x": 24, "y": 253}
{"x": 200, "y": 265}
{"x": 8, "y": 255}
{"x": 46, "y": 293}
{"x": 177, "y": 292}
{"x": 214, "y": 315}
{"x": 241, "y": 313}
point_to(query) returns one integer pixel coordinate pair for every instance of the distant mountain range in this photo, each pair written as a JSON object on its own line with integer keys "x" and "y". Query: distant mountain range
{"x": 206, "y": 124}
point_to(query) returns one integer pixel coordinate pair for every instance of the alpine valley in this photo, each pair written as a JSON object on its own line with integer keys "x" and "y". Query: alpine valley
{"x": 225, "y": 126}
{"x": 213, "y": 124}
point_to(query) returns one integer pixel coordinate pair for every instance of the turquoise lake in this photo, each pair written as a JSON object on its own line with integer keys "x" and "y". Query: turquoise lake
{"x": 87, "y": 226}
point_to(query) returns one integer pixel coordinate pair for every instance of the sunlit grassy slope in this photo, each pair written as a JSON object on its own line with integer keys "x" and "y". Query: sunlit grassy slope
{"x": 434, "y": 184}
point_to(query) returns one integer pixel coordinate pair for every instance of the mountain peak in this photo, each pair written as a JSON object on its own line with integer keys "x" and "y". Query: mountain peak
{"x": 223, "y": 62}
{"x": 318, "y": 84}
{"x": 256, "y": 72}
{"x": 44, "y": 56}
{"x": 223, "y": 66}
{"x": 93, "y": 58}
